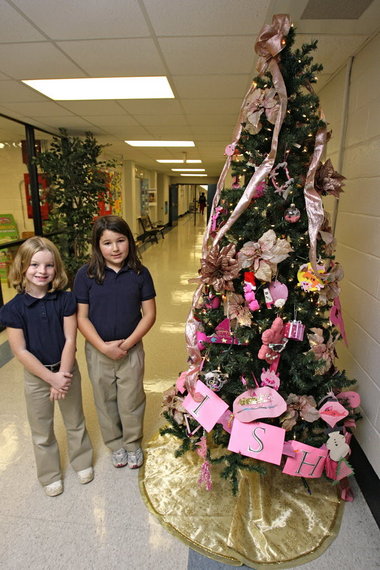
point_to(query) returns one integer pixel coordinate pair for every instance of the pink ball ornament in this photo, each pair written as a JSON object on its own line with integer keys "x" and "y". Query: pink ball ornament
{"x": 292, "y": 214}
{"x": 279, "y": 293}
{"x": 230, "y": 149}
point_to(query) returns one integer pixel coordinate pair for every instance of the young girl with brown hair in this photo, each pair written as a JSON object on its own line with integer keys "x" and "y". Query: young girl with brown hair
{"x": 116, "y": 308}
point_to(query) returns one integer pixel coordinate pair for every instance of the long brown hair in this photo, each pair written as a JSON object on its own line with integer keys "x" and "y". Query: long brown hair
{"x": 22, "y": 260}
{"x": 96, "y": 267}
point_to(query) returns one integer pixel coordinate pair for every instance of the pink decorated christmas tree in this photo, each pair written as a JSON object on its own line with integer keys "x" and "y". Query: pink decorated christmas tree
{"x": 262, "y": 383}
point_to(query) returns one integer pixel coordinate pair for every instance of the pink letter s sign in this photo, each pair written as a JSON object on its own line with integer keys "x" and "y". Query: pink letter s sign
{"x": 259, "y": 440}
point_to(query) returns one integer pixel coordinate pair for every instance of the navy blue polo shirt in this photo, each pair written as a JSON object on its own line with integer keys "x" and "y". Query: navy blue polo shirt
{"x": 41, "y": 321}
{"x": 114, "y": 305}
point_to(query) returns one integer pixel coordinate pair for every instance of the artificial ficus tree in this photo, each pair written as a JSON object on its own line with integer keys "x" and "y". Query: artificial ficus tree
{"x": 77, "y": 179}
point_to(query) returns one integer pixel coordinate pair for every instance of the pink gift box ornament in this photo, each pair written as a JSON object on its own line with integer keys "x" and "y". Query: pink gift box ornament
{"x": 294, "y": 330}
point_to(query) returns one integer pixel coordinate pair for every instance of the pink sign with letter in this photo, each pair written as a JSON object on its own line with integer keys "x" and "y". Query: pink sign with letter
{"x": 207, "y": 409}
{"x": 259, "y": 440}
{"x": 308, "y": 461}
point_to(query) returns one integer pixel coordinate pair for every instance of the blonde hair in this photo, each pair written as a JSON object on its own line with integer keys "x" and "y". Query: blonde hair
{"x": 23, "y": 258}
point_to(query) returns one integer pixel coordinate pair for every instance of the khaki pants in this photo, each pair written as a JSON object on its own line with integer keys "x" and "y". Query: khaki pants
{"x": 119, "y": 396}
{"x": 40, "y": 412}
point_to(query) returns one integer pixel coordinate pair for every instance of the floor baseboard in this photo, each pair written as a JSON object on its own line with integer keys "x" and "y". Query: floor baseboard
{"x": 367, "y": 478}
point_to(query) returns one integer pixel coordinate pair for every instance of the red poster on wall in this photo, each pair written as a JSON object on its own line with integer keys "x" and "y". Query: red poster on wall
{"x": 104, "y": 204}
{"x": 42, "y": 186}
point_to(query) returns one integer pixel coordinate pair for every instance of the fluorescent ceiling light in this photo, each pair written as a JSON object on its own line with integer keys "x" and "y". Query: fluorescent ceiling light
{"x": 178, "y": 161}
{"x": 191, "y": 174}
{"x": 188, "y": 169}
{"x": 91, "y": 88}
{"x": 160, "y": 143}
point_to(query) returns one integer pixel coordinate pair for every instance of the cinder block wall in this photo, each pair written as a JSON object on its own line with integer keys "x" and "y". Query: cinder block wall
{"x": 358, "y": 232}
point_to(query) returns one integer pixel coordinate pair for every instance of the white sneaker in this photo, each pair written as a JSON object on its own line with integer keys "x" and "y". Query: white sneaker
{"x": 86, "y": 475}
{"x": 135, "y": 458}
{"x": 54, "y": 489}
{"x": 119, "y": 458}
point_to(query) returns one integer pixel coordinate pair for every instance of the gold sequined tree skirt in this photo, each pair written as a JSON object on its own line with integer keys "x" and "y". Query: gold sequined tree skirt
{"x": 273, "y": 522}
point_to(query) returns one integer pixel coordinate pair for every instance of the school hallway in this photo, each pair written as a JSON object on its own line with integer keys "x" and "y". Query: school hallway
{"x": 106, "y": 524}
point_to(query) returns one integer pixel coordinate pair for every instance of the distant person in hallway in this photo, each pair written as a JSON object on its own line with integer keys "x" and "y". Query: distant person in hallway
{"x": 202, "y": 203}
{"x": 116, "y": 308}
{"x": 41, "y": 324}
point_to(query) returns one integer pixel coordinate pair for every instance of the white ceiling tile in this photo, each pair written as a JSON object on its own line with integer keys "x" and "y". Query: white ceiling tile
{"x": 212, "y": 120}
{"x": 169, "y": 133}
{"x": 152, "y": 106}
{"x": 210, "y": 86}
{"x": 206, "y": 17}
{"x": 92, "y": 107}
{"x": 117, "y": 58}
{"x": 110, "y": 121}
{"x": 131, "y": 132}
{"x": 203, "y": 55}
{"x": 40, "y": 60}
{"x": 67, "y": 122}
{"x": 213, "y": 133}
{"x": 13, "y": 91}
{"x": 14, "y": 27}
{"x": 212, "y": 106}
{"x": 333, "y": 51}
{"x": 205, "y": 47}
{"x": 89, "y": 19}
{"x": 39, "y": 109}
{"x": 157, "y": 119}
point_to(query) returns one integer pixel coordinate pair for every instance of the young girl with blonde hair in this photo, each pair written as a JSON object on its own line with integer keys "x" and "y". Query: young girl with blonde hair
{"x": 41, "y": 325}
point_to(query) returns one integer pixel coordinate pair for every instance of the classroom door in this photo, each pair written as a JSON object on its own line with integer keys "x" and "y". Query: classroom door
{"x": 173, "y": 204}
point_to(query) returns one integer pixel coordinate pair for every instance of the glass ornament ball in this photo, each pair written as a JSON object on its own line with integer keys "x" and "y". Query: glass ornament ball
{"x": 292, "y": 214}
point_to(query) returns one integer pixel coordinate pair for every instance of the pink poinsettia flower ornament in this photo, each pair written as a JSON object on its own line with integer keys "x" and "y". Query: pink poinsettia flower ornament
{"x": 327, "y": 180}
{"x": 330, "y": 279}
{"x": 220, "y": 268}
{"x": 264, "y": 255}
{"x": 260, "y": 101}
{"x": 238, "y": 309}
{"x": 322, "y": 350}
{"x": 303, "y": 407}
{"x": 172, "y": 404}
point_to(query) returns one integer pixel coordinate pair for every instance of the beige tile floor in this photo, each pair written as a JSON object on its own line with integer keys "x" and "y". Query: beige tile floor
{"x": 105, "y": 524}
